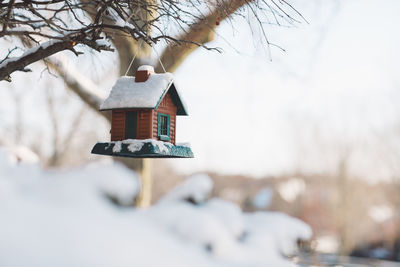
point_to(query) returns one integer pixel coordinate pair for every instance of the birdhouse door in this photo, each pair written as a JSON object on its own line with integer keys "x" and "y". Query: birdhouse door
{"x": 130, "y": 125}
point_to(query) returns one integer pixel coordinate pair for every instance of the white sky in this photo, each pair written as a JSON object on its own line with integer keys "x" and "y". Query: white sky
{"x": 339, "y": 77}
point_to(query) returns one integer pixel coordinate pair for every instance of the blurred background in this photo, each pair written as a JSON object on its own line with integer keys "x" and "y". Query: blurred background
{"x": 312, "y": 130}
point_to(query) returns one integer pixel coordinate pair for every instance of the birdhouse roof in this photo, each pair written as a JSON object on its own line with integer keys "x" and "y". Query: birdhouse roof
{"x": 126, "y": 93}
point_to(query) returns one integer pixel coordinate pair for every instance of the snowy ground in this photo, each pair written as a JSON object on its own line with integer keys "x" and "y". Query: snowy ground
{"x": 66, "y": 218}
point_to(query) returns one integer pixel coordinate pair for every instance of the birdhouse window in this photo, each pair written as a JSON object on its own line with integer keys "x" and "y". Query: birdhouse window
{"x": 163, "y": 127}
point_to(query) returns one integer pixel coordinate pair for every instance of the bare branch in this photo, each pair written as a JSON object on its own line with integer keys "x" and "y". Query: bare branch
{"x": 201, "y": 32}
{"x": 127, "y": 21}
{"x": 8, "y": 54}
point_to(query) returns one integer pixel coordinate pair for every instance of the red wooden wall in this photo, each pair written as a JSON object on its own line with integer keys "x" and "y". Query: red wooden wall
{"x": 147, "y": 121}
{"x": 118, "y": 125}
{"x": 166, "y": 107}
{"x": 144, "y": 124}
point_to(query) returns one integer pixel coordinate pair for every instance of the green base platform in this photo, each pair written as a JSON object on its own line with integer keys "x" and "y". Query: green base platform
{"x": 142, "y": 149}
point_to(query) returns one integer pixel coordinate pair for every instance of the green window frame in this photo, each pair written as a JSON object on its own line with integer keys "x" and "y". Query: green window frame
{"x": 163, "y": 127}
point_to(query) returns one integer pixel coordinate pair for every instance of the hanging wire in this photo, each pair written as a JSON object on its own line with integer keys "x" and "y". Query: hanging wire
{"x": 159, "y": 59}
{"x": 137, "y": 50}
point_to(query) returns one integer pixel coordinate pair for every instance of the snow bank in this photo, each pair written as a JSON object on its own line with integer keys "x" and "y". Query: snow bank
{"x": 195, "y": 189}
{"x": 66, "y": 218}
{"x": 275, "y": 230}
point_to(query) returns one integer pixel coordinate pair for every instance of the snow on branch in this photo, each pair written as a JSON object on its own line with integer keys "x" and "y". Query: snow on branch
{"x": 68, "y": 23}
{"x": 42, "y": 51}
{"x": 34, "y": 54}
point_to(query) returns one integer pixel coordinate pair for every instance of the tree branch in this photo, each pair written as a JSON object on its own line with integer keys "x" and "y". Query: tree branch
{"x": 84, "y": 87}
{"x": 34, "y": 54}
{"x": 201, "y": 32}
{"x": 44, "y": 50}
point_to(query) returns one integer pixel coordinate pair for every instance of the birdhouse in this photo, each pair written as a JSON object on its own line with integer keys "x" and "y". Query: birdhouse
{"x": 144, "y": 111}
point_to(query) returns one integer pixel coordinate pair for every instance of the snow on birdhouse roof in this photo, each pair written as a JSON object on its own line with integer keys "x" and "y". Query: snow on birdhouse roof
{"x": 146, "y": 67}
{"x": 126, "y": 93}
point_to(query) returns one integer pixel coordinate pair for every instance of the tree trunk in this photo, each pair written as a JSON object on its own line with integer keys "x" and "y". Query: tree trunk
{"x": 128, "y": 48}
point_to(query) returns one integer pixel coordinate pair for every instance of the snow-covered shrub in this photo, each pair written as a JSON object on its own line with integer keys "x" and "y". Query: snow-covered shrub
{"x": 62, "y": 218}
{"x": 194, "y": 190}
